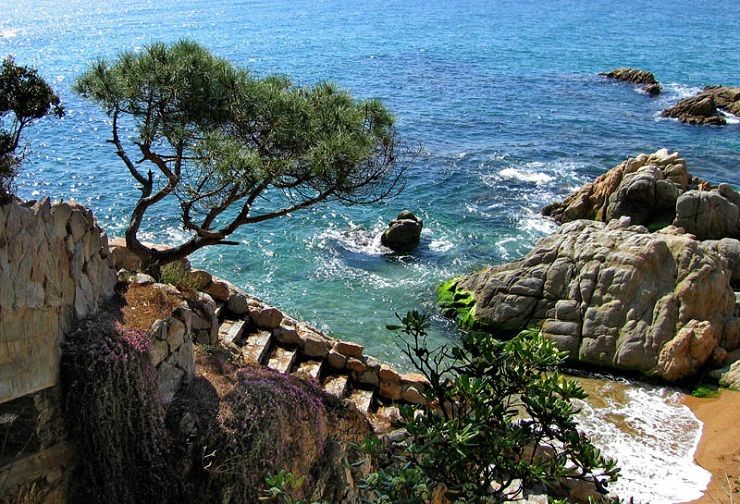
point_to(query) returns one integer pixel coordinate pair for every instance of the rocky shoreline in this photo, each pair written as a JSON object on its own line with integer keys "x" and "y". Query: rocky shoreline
{"x": 639, "y": 277}
{"x": 708, "y": 107}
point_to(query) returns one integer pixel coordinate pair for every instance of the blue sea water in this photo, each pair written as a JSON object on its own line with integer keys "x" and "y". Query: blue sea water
{"x": 503, "y": 96}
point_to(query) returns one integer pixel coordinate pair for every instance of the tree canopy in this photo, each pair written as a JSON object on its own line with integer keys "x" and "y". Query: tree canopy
{"x": 221, "y": 141}
{"x": 24, "y": 98}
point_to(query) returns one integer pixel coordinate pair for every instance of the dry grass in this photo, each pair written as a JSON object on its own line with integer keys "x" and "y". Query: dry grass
{"x": 145, "y": 304}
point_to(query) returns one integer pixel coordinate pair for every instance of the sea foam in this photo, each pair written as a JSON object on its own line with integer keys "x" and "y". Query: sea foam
{"x": 653, "y": 437}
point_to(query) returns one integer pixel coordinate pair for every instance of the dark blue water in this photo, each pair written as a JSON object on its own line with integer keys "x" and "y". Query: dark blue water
{"x": 503, "y": 97}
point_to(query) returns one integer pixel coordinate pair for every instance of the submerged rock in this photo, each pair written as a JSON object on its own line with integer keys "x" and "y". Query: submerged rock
{"x": 635, "y": 76}
{"x": 610, "y": 295}
{"x": 403, "y": 232}
{"x": 705, "y": 107}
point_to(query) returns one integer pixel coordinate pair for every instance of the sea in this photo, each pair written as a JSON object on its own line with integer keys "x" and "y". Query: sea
{"x": 501, "y": 99}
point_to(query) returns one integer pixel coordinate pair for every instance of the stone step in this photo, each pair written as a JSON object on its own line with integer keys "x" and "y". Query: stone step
{"x": 230, "y": 331}
{"x": 255, "y": 348}
{"x": 282, "y": 359}
{"x": 363, "y": 399}
{"x": 336, "y": 385}
{"x": 309, "y": 369}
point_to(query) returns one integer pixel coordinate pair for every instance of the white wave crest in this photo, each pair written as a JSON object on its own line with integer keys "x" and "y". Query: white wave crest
{"x": 535, "y": 177}
{"x": 653, "y": 437}
{"x": 8, "y": 32}
{"x": 681, "y": 91}
{"x": 731, "y": 119}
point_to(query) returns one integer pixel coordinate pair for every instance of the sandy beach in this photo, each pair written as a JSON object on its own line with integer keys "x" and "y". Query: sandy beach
{"x": 719, "y": 447}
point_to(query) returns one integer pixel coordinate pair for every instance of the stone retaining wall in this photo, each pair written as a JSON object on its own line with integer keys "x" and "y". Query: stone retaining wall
{"x": 54, "y": 268}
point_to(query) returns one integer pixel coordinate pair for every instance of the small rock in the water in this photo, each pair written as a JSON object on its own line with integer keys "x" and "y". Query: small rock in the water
{"x": 704, "y": 108}
{"x": 403, "y": 232}
{"x": 635, "y": 76}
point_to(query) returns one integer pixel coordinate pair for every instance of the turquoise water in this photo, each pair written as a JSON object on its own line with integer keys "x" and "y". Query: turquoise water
{"x": 503, "y": 97}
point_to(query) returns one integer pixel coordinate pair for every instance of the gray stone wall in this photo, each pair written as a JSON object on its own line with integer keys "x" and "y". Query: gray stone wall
{"x": 54, "y": 266}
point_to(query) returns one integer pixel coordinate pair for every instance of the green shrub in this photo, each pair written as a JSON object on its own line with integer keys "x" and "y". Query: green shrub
{"x": 499, "y": 419}
{"x": 178, "y": 275}
{"x": 705, "y": 391}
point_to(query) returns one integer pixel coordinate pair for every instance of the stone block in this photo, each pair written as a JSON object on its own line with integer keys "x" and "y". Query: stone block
{"x": 315, "y": 345}
{"x": 267, "y": 318}
{"x": 387, "y": 373}
{"x": 413, "y": 396}
{"x": 200, "y": 278}
{"x": 349, "y": 349}
{"x": 336, "y": 360}
{"x": 218, "y": 290}
{"x": 160, "y": 350}
{"x": 238, "y": 304}
{"x": 288, "y": 334}
{"x": 415, "y": 380}
{"x": 170, "y": 379}
{"x": 356, "y": 365}
{"x": 391, "y": 390}
{"x": 369, "y": 377}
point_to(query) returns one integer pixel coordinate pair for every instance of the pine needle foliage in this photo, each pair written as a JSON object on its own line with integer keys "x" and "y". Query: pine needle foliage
{"x": 227, "y": 148}
{"x": 24, "y": 98}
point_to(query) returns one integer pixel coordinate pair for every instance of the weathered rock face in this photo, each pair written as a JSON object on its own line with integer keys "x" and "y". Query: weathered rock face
{"x": 707, "y": 214}
{"x": 403, "y": 232}
{"x": 54, "y": 267}
{"x": 644, "y": 188}
{"x": 655, "y": 190}
{"x": 634, "y": 76}
{"x": 614, "y": 296}
{"x": 704, "y": 107}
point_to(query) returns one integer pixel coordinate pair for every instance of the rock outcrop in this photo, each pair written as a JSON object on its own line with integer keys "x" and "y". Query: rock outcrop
{"x": 655, "y": 190}
{"x": 705, "y": 107}
{"x": 403, "y": 232}
{"x": 611, "y": 295}
{"x": 634, "y": 76}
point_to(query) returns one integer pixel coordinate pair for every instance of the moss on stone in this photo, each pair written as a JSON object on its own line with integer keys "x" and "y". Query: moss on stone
{"x": 458, "y": 303}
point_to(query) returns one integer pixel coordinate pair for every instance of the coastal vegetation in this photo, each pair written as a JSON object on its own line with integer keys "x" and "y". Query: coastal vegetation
{"x": 498, "y": 422}
{"x": 222, "y": 141}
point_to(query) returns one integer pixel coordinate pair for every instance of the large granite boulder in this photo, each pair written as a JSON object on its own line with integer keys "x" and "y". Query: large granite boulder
{"x": 707, "y": 214}
{"x": 611, "y": 295}
{"x": 705, "y": 107}
{"x": 645, "y": 188}
{"x": 655, "y": 190}
{"x": 635, "y": 76}
{"x": 403, "y": 232}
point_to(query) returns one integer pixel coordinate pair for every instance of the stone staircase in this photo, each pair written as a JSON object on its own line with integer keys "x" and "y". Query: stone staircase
{"x": 263, "y": 337}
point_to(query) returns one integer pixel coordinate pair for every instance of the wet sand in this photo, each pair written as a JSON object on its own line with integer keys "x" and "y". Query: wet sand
{"x": 719, "y": 447}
